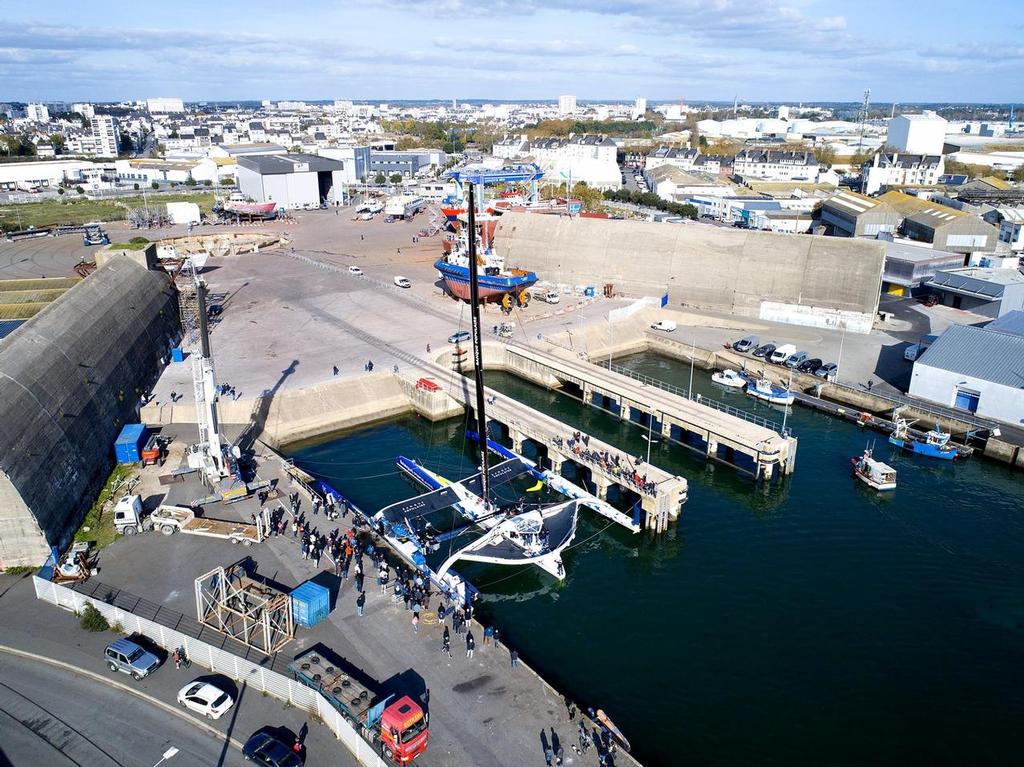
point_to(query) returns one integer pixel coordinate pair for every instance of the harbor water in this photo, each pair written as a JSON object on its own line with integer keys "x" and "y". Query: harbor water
{"x": 809, "y": 621}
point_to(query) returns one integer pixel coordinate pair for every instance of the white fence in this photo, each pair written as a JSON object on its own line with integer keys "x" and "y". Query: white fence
{"x": 241, "y": 670}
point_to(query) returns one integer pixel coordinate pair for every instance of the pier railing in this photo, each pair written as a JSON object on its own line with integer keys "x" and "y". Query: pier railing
{"x": 925, "y": 407}
{"x": 698, "y": 398}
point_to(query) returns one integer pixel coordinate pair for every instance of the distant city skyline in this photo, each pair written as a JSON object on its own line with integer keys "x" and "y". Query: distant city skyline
{"x": 695, "y": 50}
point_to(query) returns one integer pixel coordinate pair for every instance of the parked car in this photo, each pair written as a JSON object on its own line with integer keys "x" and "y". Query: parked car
{"x": 459, "y": 336}
{"x": 746, "y": 344}
{"x": 665, "y": 325}
{"x": 403, "y": 282}
{"x": 827, "y": 371}
{"x": 356, "y": 271}
{"x": 205, "y": 698}
{"x": 129, "y": 657}
{"x": 796, "y": 360}
{"x": 809, "y": 366}
{"x": 764, "y": 350}
{"x": 264, "y": 749}
{"x": 781, "y": 353}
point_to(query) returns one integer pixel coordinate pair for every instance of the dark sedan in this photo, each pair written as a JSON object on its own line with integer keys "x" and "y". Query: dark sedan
{"x": 264, "y": 749}
{"x": 764, "y": 351}
{"x": 809, "y": 366}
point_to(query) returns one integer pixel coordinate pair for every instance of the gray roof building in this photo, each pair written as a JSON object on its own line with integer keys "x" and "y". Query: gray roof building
{"x": 911, "y": 266}
{"x": 1011, "y": 322}
{"x": 271, "y": 164}
{"x": 984, "y": 291}
{"x": 853, "y": 215}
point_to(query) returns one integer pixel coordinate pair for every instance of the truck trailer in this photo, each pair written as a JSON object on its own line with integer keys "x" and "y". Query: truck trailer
{"x": 129, "y": 519}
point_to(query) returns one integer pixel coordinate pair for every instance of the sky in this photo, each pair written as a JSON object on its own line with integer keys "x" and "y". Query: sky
{"x": 691, "y": 50}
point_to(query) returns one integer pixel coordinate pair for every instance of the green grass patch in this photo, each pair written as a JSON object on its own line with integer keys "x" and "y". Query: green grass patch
{"x": 129, "y": 246}
{"x": 92, "y": 619}
{"x": 73, "y": 209}
{"x": 20, "y": 570}
{"x": 100, "y": 519}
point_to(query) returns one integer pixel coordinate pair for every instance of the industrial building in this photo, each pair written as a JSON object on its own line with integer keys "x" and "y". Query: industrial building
{"x": 984, "y": 291}
{"x": 816, "y": 281}
{"x": 408, "y": 163}
{"x": 979, "y": 370}
{"x": 923, "y": 133}
{"x": 944, "y": 227}
{"x": 849, "y": 214}
{"x": 355, "y": 161}
{"x": 70, "y": 379}
{"x": 909, "y": 266}
{"x": 291, "y": 180}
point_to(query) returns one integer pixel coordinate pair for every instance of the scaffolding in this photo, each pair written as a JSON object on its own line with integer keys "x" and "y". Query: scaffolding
{"x": 257, "y": 615}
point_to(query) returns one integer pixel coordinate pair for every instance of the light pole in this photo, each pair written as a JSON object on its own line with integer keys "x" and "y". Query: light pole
{"x": 839, "y": 359}
{"x": 172, "y": 751}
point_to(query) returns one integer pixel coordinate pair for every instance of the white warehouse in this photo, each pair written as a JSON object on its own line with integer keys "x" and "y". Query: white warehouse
{"x": 291, "y": 180}
{"x": 923, "y": 133}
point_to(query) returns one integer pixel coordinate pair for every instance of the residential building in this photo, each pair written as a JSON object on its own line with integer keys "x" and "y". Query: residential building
{"x": 676, "y": 185}
{"x": 86, "y": 110}
{"x": 976, "y": 369}
{"x": 849, "y": 214}
{"x": 37, "y": 113}
{"x": 639, "y": 108}
{"x": 984, "y": 291}
{"x": 1011, "y": 228}
{"x": 589, "y": 158}
{"x": 291, "y": 180}
{"x": 923, "y": 133}
{"x": 887, "y": 170}
{"x": 566, "y": 105}
{"x": 105, "y": 135}
{"x": 776, "y": 165}
{"x": 164, "y": 106}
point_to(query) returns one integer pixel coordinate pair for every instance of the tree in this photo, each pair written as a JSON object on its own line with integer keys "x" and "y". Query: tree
{"x": 1018, "y": 174}
{"x": 590, "y": 198}
{"x": 155, "y": 185}
{"x": 380, "y": 178}
{"x": 136, "y": 186}
{"x": 92, "y": 619}
{"x": 825, "y": 155}
{"x": 396, "y": 178}
{"x": 207, "y": 182}
{"x": 190, "y": 181}
{"x": 57, "y": 142}
{"x": 80, "y": 190}
{"x": 227, "y": 181}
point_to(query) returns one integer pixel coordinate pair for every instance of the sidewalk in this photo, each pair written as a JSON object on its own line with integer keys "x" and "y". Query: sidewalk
{"x": 33, "y": 626}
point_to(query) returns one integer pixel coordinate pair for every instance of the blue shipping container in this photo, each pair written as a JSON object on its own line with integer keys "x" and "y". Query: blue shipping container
{"x": 177, "y": 354}
{"x": 310, "y": 604}
{"x": 130, "y": 442}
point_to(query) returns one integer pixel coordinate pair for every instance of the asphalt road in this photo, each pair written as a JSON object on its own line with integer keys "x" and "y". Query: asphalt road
{"x": 51, "y": 717}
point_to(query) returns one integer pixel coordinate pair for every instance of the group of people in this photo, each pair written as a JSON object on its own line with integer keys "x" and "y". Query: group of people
{"x": 227, "y": 391}
{"x": 579, "y": 445}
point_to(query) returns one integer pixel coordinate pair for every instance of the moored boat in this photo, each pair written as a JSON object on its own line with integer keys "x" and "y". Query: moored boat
{"x": 729, "y": 378}
{"x": 934, "y": 444}
{"x": 766, "y": 391}
{"x": 874, "y": 473}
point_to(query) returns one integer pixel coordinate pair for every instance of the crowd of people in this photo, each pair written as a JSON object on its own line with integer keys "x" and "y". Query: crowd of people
{"x": 611, "y": 463}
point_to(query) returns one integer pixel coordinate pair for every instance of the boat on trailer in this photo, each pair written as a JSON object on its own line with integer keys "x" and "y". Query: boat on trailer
{"x": 872, "y": 472}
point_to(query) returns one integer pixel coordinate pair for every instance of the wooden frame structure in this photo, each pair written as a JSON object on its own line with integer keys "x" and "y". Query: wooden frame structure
{"x": 245, "y": 609}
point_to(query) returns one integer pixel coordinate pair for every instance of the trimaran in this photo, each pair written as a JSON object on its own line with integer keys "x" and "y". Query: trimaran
{"x": 510, "y": 534}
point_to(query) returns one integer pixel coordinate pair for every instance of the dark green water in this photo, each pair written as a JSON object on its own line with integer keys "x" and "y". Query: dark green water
{"x": 808, "y": 622}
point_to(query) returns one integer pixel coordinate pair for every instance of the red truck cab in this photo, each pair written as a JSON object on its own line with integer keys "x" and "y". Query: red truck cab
{"x": 403, "y": 730}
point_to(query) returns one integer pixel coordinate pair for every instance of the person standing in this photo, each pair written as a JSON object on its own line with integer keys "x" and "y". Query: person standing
{"x": 488, "y": 635}
{"x": 360, "y": 602}
{"x": 515, "y": 658}
{"x": 470, "y": 644}
{"x": 446, "y": 643}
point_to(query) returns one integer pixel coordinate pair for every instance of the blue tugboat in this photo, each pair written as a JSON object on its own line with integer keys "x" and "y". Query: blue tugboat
{"x": 935, "y": 443}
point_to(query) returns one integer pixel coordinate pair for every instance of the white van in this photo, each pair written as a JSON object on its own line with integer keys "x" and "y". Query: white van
{"x": 666, "y": 325}
{"x": 782, "y": 353}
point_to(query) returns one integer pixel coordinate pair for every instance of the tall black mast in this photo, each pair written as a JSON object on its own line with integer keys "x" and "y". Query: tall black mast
{"x": 478, "y": 355}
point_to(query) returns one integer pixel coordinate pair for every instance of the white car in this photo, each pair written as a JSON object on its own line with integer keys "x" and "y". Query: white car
{"x": 356, "y": 271}
{"x": 205, "y": 698}
{"x": 403, "y": 282}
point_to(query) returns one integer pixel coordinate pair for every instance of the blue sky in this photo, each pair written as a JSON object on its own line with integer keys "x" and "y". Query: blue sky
{"x": 768, "y": 50}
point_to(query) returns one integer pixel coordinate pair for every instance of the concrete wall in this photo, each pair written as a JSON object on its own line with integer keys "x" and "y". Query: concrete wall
{"x": 702, "y": 267}
{"x": 70, "y": 378}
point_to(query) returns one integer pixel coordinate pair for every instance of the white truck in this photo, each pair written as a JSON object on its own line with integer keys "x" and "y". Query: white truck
{"x": 547, "y": 295}
{"x": 782, "y": 353}
{"x": 404, "y": 205}
{"x": 666, "y": 326}
{"x": 129, "y": 519}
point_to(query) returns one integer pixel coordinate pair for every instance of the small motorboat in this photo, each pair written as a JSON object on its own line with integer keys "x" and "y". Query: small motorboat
{"x": 764, "y": 390}
{"x": 874, "y": 474}
{"x": 609, "y": 725}
{"x": 729, "y": 378}
{"x": 935, "y": 443}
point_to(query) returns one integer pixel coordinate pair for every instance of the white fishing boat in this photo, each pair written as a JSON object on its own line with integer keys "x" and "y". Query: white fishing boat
{"x": 729, "y": 378}
{"x": 766, "y": 391}
{"x": 873, "y": 473}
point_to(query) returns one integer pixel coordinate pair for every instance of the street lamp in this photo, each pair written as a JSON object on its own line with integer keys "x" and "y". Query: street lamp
{"x": 172, "y": 751}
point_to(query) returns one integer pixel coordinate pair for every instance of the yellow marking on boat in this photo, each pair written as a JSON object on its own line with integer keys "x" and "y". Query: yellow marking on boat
{"x": 535, "y": 488}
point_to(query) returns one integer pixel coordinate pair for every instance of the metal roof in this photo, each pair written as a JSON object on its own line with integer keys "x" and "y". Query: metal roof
{"x": 1011, "y": 322}
{"x": 977, "y": 281}
{"x": 980, "y": 353}
{"x": 276, "y": 164}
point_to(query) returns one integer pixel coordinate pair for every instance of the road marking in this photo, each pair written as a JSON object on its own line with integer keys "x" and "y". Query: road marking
{"x": 124, "y": 688}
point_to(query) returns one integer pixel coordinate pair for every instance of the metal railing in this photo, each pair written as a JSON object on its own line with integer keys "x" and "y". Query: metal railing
{"x": 700, "y": 399}
{"x": 952, "y": 414}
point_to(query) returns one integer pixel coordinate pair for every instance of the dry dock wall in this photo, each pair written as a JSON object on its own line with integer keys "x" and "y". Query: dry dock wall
{"x": 806, "y": 280}
{"x": 70, "y": 378}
